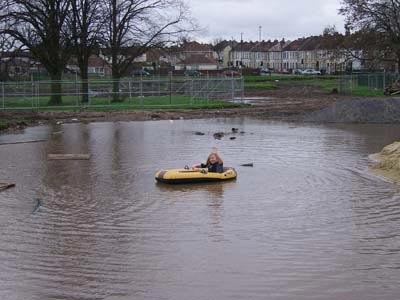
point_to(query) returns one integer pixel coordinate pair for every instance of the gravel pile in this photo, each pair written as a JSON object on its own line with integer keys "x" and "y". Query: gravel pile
{"x": 388, "y": 162}
{"x": 384, "y": 110}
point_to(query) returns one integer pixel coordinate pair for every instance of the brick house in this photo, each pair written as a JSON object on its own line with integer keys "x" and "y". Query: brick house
{"x": 193, "y": 56}
{"x": 97, "y": 67}
{"x": 275, "y": 60}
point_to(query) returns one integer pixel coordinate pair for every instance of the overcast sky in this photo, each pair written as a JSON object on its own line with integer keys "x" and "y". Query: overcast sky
{"x": 288, "y": 19}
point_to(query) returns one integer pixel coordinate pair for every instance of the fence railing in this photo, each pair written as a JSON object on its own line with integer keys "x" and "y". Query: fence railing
{"x": 143, "y": 92}
{"x": 368, "y": 82}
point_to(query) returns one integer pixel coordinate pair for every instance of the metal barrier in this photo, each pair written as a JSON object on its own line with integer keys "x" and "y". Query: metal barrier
{"x": 369, "y": 81}
{"x": 141, "y": 93}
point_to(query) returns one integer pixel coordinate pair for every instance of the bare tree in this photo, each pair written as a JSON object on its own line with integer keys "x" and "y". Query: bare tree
{"x": 40, "y": 27}
{"x": 7, "y": 53}
{"x": 377, "y": 23}
{"x": 86, "y": 22}
{"x": 136, "y": 25}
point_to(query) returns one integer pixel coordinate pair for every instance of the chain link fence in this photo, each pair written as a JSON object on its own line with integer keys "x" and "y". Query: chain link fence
{"x": 141, "y": 93}
{"x": 367, "y": 83}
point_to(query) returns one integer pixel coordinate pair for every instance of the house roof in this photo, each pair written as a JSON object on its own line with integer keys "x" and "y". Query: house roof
{"x": 331, "y": 41}
{"x": 222, "y": 45}
{"x": 310, "y": 43}
{"x": 325, "y": 42}
{"x": 279, "y": 46}
{"x": 244, "y": 46}
{"x": 198, "y": 60}
{"x": 195, "y": 47}
{"x": 262, "y": 46}
{"x": 95, "y": 61}
{"x": 154, "y": 54}
{"x": 295, "y": 45}
{"x": 17, "y": 53}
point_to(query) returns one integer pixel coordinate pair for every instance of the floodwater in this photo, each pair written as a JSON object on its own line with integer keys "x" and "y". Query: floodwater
{"x": 309, "y": 221}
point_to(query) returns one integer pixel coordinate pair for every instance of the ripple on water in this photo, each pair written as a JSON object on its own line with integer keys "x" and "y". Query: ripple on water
{"x": 307, "y": 221}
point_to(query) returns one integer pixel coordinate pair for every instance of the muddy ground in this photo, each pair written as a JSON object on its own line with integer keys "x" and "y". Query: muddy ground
{"x": 277, "y": 104}
{"x": 298, "y": 102}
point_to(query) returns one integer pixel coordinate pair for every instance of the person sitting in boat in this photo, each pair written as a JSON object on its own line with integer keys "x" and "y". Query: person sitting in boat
{"x": 214, "y": 163}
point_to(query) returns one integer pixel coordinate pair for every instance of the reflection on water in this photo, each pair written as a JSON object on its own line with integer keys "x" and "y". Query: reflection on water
{"x": 309, "y": 221}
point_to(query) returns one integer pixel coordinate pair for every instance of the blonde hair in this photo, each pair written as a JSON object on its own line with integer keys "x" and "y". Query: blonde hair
{"x": 219, "y": 160}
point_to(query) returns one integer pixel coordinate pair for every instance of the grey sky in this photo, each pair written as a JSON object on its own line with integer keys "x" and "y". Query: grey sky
{"x": 279, "y": 18}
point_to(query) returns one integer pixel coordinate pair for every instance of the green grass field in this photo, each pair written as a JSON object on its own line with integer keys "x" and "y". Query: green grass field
{"x": 106, "y": 103}
{"x": 325, "y": 83}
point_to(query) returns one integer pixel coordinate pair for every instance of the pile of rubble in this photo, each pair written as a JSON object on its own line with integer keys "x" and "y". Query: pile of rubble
{"x": 388, "y": 162}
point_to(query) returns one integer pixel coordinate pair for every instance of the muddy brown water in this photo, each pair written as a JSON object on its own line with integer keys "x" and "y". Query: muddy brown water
{"x": 309, "y": 221}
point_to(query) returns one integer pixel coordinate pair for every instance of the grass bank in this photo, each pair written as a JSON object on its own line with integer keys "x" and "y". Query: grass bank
{"x": 325, "y": 83}
{"x": 5, "y": 124}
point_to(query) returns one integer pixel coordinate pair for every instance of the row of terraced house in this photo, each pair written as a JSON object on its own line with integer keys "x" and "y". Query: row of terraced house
{"x": 324, "y": 53}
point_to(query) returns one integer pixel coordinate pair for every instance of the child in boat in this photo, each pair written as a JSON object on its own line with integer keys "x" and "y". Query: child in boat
{"x": 214, "y": 163}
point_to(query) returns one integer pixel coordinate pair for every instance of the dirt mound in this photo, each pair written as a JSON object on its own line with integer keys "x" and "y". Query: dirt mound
{"x": 358, "y": 111}
{"x": 388, "y": 162}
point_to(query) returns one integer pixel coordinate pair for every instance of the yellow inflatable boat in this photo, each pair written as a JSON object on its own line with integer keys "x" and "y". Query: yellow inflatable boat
{"x": 176, "y": 176}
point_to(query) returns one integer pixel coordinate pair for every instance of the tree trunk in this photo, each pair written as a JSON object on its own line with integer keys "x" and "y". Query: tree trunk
{"x": 398, "y": 64}
{"x": 56, "y": 89}
{"x": 85, "y": 84}
{"x": 115, "y": 90}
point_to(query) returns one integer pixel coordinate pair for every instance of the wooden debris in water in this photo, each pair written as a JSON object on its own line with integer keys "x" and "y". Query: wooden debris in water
{"x": 68, "y": 156}
{"x": 37, "y": 206}
{"x": 218, "y": 135}
{"x": 23, "y": 142}
{"x": 247, "y": 165}
{"x": 5, "y": 186}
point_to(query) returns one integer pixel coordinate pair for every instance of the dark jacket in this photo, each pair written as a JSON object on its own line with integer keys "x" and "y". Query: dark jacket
{"x": 216, "y": 168}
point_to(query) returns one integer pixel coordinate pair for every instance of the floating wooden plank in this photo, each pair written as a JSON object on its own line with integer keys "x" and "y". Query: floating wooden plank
{"x": 37, "y": 206}
{"x": 23, "y": 142}
{"x": 5, "y": 186}
{"x": 68, "y": 156}
{"x": 247, "y": 165}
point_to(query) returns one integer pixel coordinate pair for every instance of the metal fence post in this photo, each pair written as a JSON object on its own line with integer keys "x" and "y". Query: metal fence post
{"x": 141, "y": 86}
{"x": 76, "y": 91}
{"x": 384, "y": 80}
{"x": 170, "y": 88}
{"x": 38, "y": 95}
{"x": 130, "y": 89}
{"x": 3, "y": 96}
{"x": 191, "y": 91}
{"x": 242, "y": 92}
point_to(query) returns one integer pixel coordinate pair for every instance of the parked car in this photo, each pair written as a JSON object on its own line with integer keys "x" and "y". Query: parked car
{"x": 231, "y": 73}
{"x": 311, "y": 72}
{"x": 193, "y": 73}
{"x": 298, "y": 72}
{"x": 286, "y": 72}
{"x": 140, "y": 73}
{"x": 265, "y": 72}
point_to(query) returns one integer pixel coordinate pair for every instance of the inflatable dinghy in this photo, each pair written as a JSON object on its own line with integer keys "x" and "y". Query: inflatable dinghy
{"x": 187, "y": 175}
